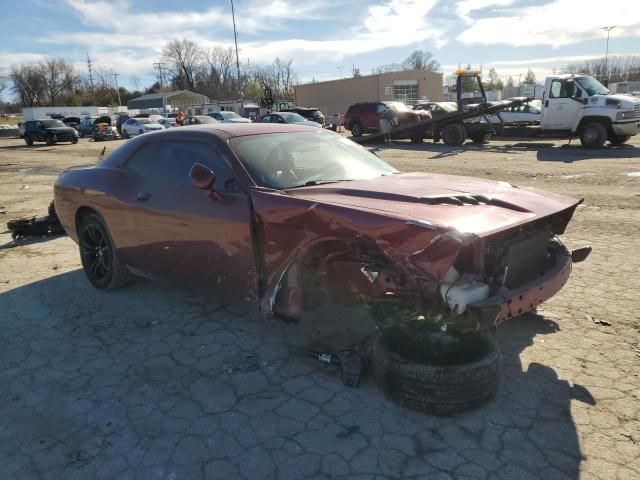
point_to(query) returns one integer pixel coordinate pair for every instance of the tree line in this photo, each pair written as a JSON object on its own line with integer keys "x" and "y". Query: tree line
{"x": 616, "y": 68}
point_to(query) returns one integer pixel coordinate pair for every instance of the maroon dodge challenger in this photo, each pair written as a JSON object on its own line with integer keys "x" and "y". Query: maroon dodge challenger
{"x": 293, "y": 216}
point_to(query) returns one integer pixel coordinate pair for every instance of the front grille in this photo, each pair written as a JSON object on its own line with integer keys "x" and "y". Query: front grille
{"x": 637, "y": 111}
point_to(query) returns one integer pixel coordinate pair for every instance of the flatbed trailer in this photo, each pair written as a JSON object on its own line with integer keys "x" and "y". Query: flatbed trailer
{"x": 451, "y": 127}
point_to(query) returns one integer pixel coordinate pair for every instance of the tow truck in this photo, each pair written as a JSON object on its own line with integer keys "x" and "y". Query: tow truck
{"x": 573, "y": 106}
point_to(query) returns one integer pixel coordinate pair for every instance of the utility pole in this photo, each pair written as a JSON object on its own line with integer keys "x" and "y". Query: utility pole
{"x": 115, "y": 77}
{"x": 235, "y": 39}
{"x": 160, "y": 66}
{"x": 606, "y": 54}
{"x": 93, "y": 93}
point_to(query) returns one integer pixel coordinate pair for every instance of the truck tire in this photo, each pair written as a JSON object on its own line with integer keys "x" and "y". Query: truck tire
{"x": 356, "y": 129}
{"x": 439, "y": 390}
{"x": 593, "y": 135}
{"x": 619, "y": 139}
{"x": 454, "y": 134}
{"x": 480, "y": 137}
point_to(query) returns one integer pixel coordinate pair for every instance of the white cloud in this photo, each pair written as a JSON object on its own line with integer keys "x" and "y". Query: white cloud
{"x": 556, "y": 24}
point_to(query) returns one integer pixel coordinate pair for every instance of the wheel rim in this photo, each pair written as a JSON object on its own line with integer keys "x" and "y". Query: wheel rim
{"x": 590, "y": 135}
{"x": 95, "y": 252}
{"x": 356, "y": 130}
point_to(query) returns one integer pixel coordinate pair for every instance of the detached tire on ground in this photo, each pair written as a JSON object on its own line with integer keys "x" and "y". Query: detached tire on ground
{"x": 593, "y": 135}
{"x": 439, "y": 390}
{"x": 454, "y": 134}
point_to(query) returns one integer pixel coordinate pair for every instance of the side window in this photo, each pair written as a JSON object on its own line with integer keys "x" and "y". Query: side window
{"x": 557, "y": 90}
{"x": 143, "y": 161}
{"x": 266, "y": 118}
{"x": 176, "y": 159}
{"x": 380, "y": 108}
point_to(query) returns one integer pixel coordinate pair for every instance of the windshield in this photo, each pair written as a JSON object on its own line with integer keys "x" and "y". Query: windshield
{"x": 592, "y": 86}
{"x": 229, "y": 115}
{"x": 292, "y": 117}
{"x": 143, "y": 121}
{"x": 53, "y": 123}
{"x": 204, "y": 119}
{"x": 296, "y": 159}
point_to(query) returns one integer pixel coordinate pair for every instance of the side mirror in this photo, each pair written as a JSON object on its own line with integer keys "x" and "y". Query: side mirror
{"x": 202, "y": 177}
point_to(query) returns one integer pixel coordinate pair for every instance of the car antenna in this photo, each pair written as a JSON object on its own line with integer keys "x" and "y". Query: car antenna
{"x": 104, "y": 149}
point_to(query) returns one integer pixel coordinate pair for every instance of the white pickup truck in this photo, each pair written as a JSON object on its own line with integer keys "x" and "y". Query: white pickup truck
{"x": 579, "y": 105}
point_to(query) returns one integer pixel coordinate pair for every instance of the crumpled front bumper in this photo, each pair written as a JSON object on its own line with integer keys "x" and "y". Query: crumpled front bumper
{"x": 511, "y": 303}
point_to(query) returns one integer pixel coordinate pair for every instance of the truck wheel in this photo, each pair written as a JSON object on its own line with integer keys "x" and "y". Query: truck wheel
{"x": 619, "y": 139}
{"x": 480, "y": 137}
{"x": 28, "y": 140}
{"x": 356, "y": 129}
{"x": 593, "y": 135}
{"x": 454, "y": 134}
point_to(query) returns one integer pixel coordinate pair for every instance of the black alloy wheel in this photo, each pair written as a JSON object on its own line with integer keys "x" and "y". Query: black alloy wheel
{"x": 95, "y": 251}
{"x": 356, "y": 129}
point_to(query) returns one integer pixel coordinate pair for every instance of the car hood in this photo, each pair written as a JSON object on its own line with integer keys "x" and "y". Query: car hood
{"x": 237, "y": 120}
{"x": 469, "y": 205}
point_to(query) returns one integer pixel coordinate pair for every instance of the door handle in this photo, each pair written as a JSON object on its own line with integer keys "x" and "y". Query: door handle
{"x": 143, "y": 196}
{"x": 546, "y": 104}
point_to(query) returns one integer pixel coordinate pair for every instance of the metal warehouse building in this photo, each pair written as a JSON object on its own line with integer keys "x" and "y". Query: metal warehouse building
{"x": 335, "y": 96}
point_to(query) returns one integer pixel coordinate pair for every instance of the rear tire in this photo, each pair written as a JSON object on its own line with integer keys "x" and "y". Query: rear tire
{"x": 140, "y": 132}
{"x": 593, "y": 135}
{"x": 75, "y": 140}
{"x": 454, "y": 134}
{"x": 100, "y": 260}
{"x": 125, "y": 134}
{"x": 356, "y": 129}
{"x": 480, "y": 137}
{"x": 619, "y": 139}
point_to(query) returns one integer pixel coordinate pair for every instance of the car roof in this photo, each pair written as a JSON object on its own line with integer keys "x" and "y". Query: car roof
{"x": 229, "y": 130}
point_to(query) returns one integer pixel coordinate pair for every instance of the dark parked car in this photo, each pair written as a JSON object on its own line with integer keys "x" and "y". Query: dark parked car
{"x": 287, "y": 117}
{"x": 85, "y": 127}
{"x": 296, "y": 217}
{"x": 199, "y": 120}
{"x": 364, "y": 117}
{"x": 72, "y": 122}
{"x": 50, "y": 131}
{"x": 310, "y": 113}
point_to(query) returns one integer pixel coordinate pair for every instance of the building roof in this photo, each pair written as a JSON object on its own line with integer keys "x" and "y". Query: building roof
{"x": 178, "y": 98}
{"x": 380, "y": 74}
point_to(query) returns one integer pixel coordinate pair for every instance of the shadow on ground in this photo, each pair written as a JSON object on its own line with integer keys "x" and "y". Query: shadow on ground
{"x": 157, "y": 382}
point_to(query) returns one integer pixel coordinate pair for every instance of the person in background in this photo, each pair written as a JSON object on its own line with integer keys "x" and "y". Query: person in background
{"x": 386, "y": 120}
{"x": 180, "y": 119}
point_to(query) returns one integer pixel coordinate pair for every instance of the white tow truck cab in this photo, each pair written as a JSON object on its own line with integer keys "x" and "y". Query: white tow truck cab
{"x": 579, "y": 105}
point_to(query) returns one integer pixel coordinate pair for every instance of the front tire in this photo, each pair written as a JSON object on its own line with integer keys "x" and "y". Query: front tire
{"x": 125, "y": 134}
{"x": 480, "y": 137}
{"x": 140, "y": 132}
{"x": 28, "y": 140}
{"x": 593, "y": 135}
{"x": 356, "y": 129}
{"x": 619, "y": 139}
{"x": 51, "y": 140}
{"x": 100, "y": 260}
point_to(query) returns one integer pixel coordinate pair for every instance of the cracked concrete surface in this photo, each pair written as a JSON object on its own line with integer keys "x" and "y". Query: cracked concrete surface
{"x": 155, "y": 381}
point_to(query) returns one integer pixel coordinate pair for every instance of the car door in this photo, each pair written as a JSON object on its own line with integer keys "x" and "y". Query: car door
{"x": 266, "y": 119}
{"x": 187, "y": 235}
{"x": 560, "y": 111}
{"x": 39, "y": 132}
{"x": 369, "y": 117}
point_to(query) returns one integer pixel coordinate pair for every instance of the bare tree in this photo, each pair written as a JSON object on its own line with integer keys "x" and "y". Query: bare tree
{"x": 494, "y": 80}
{"x": 58, "y": 77}
{"x": 3, "y": 83}
{"x": 529, "y": 78}
{"x": 215, "y": 78}
{"x": 27, "y": 85}
{"x": 620, "y": 68}
{"x": 510, "y": 82}
{"x": 186, "y": 58}
{"x": 421, "y": 60}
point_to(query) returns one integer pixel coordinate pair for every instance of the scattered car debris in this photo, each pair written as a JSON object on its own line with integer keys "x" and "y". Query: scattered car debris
{"x": 598, "y": 321}
{"x": 24, "y": 227}
{"x": 352, "y": 364}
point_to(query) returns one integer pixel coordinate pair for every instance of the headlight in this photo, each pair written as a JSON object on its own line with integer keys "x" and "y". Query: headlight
{"x": 627, "y": 115}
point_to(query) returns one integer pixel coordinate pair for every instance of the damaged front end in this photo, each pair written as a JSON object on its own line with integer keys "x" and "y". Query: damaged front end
{"x": 474, "y": 279}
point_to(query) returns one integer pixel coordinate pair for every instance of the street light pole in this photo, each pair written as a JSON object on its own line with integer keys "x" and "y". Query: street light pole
{"x": 606, "y": 54}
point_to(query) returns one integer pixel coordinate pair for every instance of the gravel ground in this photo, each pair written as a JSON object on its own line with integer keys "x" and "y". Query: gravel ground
{"x": 159, "y": 382}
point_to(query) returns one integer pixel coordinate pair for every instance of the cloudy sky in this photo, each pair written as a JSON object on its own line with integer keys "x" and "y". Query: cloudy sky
{"x": 325, "y": 38}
